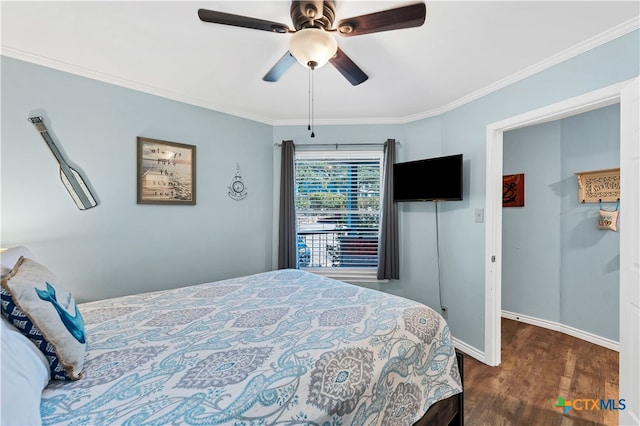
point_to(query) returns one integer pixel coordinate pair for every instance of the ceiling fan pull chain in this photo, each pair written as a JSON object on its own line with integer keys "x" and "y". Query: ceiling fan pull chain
{"x": 313, "y": 135}
{"x": 309, "y": 102}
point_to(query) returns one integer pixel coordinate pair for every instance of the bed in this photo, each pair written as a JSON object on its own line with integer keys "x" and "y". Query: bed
{"x": 282, "y": 347}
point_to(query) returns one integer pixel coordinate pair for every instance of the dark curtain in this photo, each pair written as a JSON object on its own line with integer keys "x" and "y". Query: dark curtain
{"x": 287, "y": 231}
{"x": 388, "y": 246}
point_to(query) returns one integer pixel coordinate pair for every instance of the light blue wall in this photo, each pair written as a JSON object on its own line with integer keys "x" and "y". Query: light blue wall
{"x": 120, "y": 247}
{"x": 417, "y": 220}
{"x": 371, "y": 133}
{"x": 590, "y": 272}
{"x": 531, "y": 235}
{"x": 557, "y": 265}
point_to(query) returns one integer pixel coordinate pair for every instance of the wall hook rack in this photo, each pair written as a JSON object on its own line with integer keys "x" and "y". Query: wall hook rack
{"x": 599, "y": 186}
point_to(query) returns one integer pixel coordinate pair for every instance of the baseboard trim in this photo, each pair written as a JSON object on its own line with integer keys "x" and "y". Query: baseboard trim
{"x": 469, "y": 350}
{"x": 571, "y": 331}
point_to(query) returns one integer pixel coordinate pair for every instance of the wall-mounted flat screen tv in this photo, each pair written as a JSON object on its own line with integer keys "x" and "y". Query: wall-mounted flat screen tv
{"x": 430, "y": 179}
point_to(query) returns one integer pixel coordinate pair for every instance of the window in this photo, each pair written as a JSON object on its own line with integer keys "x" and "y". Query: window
{"x": 337, "y": 196}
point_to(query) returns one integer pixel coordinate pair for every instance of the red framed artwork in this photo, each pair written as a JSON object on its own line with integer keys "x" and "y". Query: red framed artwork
{"x": 513, "y": 190}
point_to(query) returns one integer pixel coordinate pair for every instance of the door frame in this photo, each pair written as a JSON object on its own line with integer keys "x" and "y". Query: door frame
{"x": 629, "y": 378}
{"x": 493, "y": 199}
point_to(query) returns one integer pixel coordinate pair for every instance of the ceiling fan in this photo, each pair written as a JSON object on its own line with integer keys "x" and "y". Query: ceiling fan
{"x": 312, "y": 43}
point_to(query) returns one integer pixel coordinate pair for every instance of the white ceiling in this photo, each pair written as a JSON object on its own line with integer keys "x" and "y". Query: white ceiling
{"x": 463, "y": 50}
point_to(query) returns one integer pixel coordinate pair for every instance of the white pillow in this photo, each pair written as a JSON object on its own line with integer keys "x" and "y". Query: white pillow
{"x": 24, "y": 373}
{"x": 9, "y": 257}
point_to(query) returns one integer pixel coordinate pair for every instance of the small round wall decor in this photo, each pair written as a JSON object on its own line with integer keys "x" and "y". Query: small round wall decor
{"x": 237, "y": 189}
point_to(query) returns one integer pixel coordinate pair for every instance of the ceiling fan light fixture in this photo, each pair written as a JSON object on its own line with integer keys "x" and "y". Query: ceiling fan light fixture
{"x": 313, "y": 47}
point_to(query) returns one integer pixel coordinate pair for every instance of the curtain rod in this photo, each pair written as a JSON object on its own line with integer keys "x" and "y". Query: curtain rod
{"x": 336, "y": 145}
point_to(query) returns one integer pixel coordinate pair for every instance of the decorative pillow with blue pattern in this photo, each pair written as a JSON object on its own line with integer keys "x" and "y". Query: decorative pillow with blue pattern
{"x": 35, "y": 302}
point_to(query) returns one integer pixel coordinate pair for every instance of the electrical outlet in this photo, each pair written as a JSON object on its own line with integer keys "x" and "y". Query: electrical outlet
{"x": 444, "y": 312}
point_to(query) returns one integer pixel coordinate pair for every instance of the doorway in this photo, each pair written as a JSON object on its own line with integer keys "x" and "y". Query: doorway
{"x": 557, "y": 266}
{"x": 625, "y": 93}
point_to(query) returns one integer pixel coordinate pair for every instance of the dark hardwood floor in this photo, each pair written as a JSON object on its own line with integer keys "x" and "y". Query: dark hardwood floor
{"x": 538, "y": 366}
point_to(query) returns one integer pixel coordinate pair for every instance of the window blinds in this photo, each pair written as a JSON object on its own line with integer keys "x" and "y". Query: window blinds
{"x": 337, "y": 196}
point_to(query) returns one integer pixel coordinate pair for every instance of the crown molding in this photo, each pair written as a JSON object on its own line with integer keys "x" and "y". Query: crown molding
{"x": 339, "y": 121}
{"x": 598, "y": 40}
{"x": 121, "y": 82}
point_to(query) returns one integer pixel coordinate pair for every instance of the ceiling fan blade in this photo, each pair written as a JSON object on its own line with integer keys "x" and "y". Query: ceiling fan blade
{"x": 216, "y": 17}
{"x": 280, "y": 67}
{"x": 387, "y": 20}
{"x": 348, "y": 68}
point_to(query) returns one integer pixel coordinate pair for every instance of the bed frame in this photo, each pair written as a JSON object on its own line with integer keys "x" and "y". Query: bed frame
{"x": 449, "y": 411}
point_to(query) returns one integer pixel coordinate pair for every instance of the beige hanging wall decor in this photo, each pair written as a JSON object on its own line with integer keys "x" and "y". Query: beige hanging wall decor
{"x": 599, "y": 186}
{"x": 608, "y": 219}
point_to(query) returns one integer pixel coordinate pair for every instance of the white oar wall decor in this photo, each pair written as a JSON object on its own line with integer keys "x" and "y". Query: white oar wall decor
{"x": 71, "y": 179}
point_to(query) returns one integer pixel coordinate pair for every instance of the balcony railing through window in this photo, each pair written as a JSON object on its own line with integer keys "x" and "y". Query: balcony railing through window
{"x": 338, "y": 248}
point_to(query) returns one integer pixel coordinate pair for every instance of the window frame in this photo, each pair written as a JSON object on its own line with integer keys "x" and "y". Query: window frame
{"x": 344, "y": 273}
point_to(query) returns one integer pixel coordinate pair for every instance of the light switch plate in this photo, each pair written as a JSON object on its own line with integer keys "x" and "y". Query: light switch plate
{"x": 479, "y": 215}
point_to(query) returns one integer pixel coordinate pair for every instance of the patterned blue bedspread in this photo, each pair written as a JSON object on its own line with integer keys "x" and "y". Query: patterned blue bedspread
{"x": 284, "y": 347}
